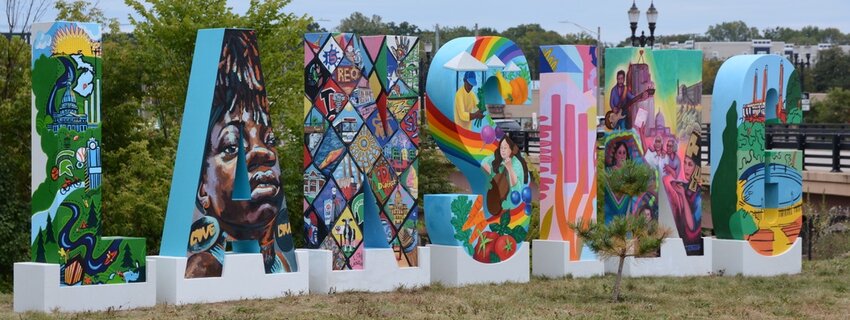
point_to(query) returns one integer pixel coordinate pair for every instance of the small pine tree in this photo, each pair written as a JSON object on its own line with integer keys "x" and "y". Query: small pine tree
{"x": 625, "y": 236}
{"x": 50, "y": 237}
{"x": 128, "y": 257}
{"x": 39, "y": 248}
{"x": 630, "y": 235}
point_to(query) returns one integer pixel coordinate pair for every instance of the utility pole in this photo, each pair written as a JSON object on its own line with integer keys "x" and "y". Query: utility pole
{"x": 600, "y": 54}
{"x": 437, "y": 36}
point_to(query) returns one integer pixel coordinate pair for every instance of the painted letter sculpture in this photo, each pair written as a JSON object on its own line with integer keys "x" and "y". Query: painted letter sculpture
{"x": 465, "y": 75}
{"x": 66, "y": 163}
{"x": 361, "y": 138}
{"x": 756, "y": 192}
{"x": 226, "y": 184}
{"x": 568, "y": 88}
{"x": 653, "y": 111}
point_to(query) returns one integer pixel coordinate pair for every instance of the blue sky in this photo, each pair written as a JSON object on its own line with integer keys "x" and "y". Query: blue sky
{"x": 675, "y": 16}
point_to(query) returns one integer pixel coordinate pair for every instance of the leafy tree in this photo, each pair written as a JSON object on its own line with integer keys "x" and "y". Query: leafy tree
{"x": 165, "y": 40}
{"x": 834, "y": 109}
{"x": 625, "y": 236}
{"x": 15, "y": 103}
{"x": 680, "y": 38}
{"x": 732, "y": 31}
{"x": 832, "y": 70}
{"x": 136, "y": 192}
{"x": 403, "y": 28}
{"x": 361, "y": 24}
{"x": 315, "y": 27}
{"x": 432, "y": 160}
{"x": 84, "y": 11}
{"x": 808, "y": 35}
{"x": 709, "y": 73}
{"x": 15, "y": 208}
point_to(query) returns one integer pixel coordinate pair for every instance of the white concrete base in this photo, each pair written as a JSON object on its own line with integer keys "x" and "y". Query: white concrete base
{"x": 243, "y": 277}
{"x": 733, "y": 257}
{"x": 453, "y": 267}
{"x": 37, "y": 288}
{"x": 673, "y": 262}
{"x": 380, "y": 272}
{"x": 550, "y": 258}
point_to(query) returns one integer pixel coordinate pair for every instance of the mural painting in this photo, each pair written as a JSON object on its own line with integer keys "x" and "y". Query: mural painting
{"x": 568, "y": 91}
{"x": 66, "y": 161}
{"x": 465, "y": 75}
{"x": 652, "y": 116}
{"x": 226, "y": 185}
{"x": 756, "y": 191}
{"x": 361, "y": 137}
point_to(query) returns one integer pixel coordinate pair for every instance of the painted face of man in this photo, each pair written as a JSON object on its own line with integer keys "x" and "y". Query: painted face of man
{"x": 620, "y": 79}
{"x": 657, "y": 144}
{"x": 242, "y": 219}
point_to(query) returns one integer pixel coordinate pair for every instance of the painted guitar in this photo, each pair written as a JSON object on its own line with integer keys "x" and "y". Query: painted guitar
{"x": 612, "y": 116}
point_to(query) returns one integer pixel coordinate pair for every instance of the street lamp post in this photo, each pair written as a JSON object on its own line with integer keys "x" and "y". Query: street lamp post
{"x": 599, "y": 53}
{"x": 802, "y": 66}
{"x": 634, "y": 16}
{"x": 651, "y": 18}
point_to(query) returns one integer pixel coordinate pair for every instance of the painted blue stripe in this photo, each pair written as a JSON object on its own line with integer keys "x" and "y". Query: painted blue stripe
{"x": 190, "y": 150}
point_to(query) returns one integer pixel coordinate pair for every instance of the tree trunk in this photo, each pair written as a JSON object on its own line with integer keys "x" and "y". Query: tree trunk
{"x": 616, "y": 295}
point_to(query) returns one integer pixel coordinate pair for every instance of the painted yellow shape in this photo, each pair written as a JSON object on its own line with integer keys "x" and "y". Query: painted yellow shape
{"x": 73, "y": 40}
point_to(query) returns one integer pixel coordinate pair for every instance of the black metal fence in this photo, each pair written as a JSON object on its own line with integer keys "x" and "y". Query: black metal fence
{"x": 821, "y": 144}
{"x": 527, "y": 141}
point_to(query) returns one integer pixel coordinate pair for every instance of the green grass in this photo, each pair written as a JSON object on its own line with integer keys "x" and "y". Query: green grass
{"x": 821, "y": 291}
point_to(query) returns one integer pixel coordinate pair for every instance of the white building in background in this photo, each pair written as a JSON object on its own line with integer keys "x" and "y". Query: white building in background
{"x": 725, "y": 50}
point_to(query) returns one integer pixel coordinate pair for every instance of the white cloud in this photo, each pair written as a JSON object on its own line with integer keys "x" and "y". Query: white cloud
{"x": 43, "y": 40}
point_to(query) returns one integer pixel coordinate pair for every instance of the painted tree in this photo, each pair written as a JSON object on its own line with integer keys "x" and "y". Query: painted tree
{"x": 39, "y": 251}
{"x": 128, "y": 258}
{"x": 91, "y": 222}
{"x": 49, "y": 230}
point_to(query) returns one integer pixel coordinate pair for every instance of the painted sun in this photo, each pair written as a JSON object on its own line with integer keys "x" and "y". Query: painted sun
{"x": 72, "y": 40}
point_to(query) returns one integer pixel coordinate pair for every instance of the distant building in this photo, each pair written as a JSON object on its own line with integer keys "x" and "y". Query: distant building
{"x": 727, "y": 49}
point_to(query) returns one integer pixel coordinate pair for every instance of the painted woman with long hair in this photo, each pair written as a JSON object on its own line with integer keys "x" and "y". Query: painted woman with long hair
{"x": 508, "y": 176}
{"x": 685, "y": 202}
